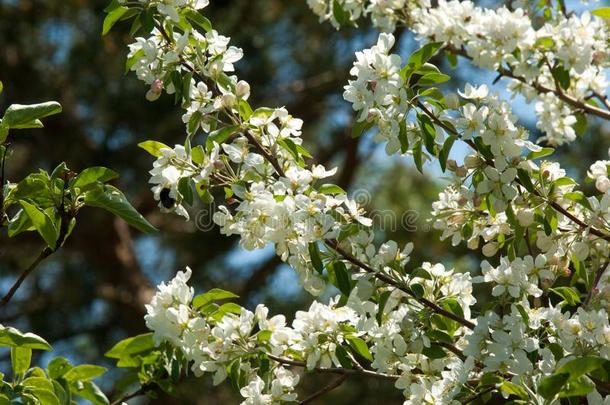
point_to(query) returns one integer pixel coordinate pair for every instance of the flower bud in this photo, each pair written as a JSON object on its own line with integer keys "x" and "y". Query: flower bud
{"x": 525, "y": 217}
{"x": 242, "y": 90}
{"x": 155, "y": 90}
{"x": 472, "y": 161}
{"x": 490, "y": 249}
{"x": 452, "y": 101}
{"x": 228, "y": 100}
{"x": 452, "y": 164}
{"x": 473, "y": 243}
{"x": 602, "y": 183}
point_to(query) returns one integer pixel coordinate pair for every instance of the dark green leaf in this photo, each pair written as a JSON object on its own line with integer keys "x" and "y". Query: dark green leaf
{"x": 113, "y": 200}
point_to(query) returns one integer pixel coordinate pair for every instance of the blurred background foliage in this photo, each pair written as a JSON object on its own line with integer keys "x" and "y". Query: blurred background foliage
{"x": 93, "y": 293}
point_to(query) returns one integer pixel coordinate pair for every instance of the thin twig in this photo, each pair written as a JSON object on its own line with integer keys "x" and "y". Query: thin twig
{"x": 46, "y": 252}
{"x": 334, "y": 370}
{"x": 139, "y": 392}
{"x": 325, "y": 390}
{"x": 388, "y": 280}
{"x": 553, "y": 204}
{"x": 574, "y": 102}
{"x": 476, "y": 396}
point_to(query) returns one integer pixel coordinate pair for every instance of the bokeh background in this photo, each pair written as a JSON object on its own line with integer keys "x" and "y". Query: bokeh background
{"x": 93, "y": 292}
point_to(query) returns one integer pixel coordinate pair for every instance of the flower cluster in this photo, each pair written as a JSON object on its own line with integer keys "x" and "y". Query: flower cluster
{"x": 413, "y": 325}
{"x": 212, "y": 337}
{"x": 385, "y": 14}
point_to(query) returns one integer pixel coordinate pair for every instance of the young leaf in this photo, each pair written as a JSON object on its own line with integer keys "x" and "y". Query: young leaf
{"x": 42, "y": 222}
{"x": 84, "y": 372}
{"x": 214, "y": 294}
{"x": 18, "y": 114}
{"x": 92, "y": 175}
{"x": 359, "y": 346}
{"x": 12, "y": 337}
{"x": 113, "y": 200}
{"x": 314, "y": 254}
{"x": 20, "y": 359}
{"x": 424, "y": 54}
{"x": 153, "y": 147}
{"x": 112, "y": 18}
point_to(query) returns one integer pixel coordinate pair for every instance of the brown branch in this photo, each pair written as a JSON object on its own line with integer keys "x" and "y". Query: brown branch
{"x": 553, "y": 204}
{"x": 574, "y": 102}
{"x": 476, "y": 396}
{"x": 334, "y": 370}
{"x": 405, "y": 289}
{"x": 46, "y": 252}
{"x": 325, "y": 390}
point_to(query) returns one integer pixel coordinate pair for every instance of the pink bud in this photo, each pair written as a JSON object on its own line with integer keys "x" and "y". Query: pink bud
{"x": 155, "y": 90}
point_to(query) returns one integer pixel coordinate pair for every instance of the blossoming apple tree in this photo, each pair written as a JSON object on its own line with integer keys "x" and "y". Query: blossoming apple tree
{"x": 543, "y": 338}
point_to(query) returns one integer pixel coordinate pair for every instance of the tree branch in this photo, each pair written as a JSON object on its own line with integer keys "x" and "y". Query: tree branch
{"x": 334, "y": 370}
{"x": 325, "y": 390}
{"x": 574, "y": 102}
{"x": 46, "y": 252}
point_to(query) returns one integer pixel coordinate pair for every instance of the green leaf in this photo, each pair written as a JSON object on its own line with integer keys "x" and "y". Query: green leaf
{"x": 424, "y": 54}
{"x": 578, "y": 197}
{"x": 342, "y": 277}
{"x": 342, "y": 16}
{"x": 541, "y": 153}
{"x": 434, "y": 352}
{"x": 551, "y": 385}
{"x": 361, "y": 127}
{"x": 220, "y": 136}
{"x": 90, "y": 392}
{"x": 44, "y": 396}
{"x": 112, "y": 18}
{"x": 603, "y": 12}
{"x": 330, "y": 189}
{"x": 569, "y": 295}
{"x": 214, "y": 294}
{"x": 12, "y": 337}
{"x": 444, "y": 152}
{"x": 153, "y": 147}
{"x": 428, "y": 132}
{"x": 418, "y": 156}
{"x": 525, "y": 179}
{"x": 403, "y": 137}
{"x": 562, "y": 76}
{"x": 579, "y": 387}
{"x": 314, "y": 254}
{"x": 359, "y": 346}
{"x": 58, "y": 367}
{"x": 20, "y": 359}
{"x": 19, "y": 223}
{"x": 92, "y": 175}
{"x": 564, "y": 181}
{"x": 198, "y": 19}
{"x": 580, "y": 366}
{"x": 113, "y": 200}
{"x": 84, "y": 372}
{"x": 417, "y": 290}
{"x": 185, "y": 189}
{"x": 18, "y": 114}
{"x": 42, "y": 222}
{"x": 513, "y": 389}
{"x": 433, "y": 78}
{"x": 133, "y": 345}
